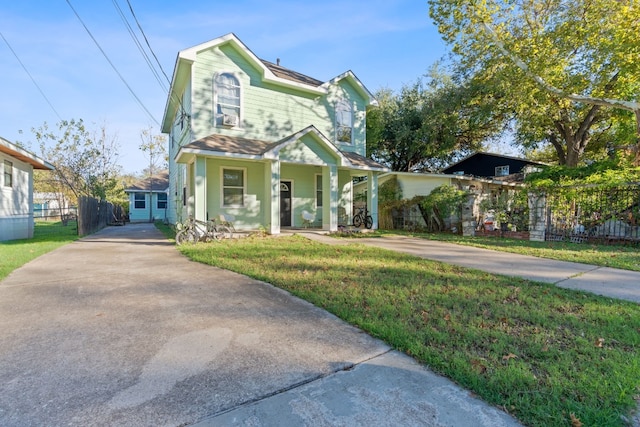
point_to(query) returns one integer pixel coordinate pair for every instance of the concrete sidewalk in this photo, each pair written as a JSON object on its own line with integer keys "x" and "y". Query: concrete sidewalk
{"x": 119, "y": 329}
{"x": 610, "y": 282}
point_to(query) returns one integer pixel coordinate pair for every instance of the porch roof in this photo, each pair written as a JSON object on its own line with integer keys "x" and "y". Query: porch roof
{"x": 156, "y": 183}
{"x": 217, "y": 145}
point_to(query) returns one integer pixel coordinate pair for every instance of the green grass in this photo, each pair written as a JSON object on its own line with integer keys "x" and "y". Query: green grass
{"x": 542, "y": 353}
{"x": 47, "y": 237}
{"x": 615, "y": 256}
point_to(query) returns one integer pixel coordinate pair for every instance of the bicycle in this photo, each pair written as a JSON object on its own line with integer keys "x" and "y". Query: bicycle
{"x": 362, "y": 217}
{"x": 194, "y": 230}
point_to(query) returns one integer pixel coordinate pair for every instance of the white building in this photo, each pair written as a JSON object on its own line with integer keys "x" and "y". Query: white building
{"x": 16, "y": 190}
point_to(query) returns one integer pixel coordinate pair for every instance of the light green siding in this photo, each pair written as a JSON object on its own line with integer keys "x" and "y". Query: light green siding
{"x": 298, "y": 122}
{"x": 268, "y": 112}
{"x": 252, "y": 214}
{"x": 307, "y": 150}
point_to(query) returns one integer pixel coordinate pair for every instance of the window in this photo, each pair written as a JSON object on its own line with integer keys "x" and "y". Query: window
{"x": 227, "y": 100}
{"x": 8, "y": 173}
{"x": 318, "y": 191}
{"x": 344, "y": 121}
{"x": 162, "y": 200}
{"x": 139, "y": 201}
{"x": 233, "y": 187}
{"x": 502, "y": 170}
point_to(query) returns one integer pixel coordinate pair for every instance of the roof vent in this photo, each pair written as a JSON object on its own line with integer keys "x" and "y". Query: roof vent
{"x": 278, "y": 62}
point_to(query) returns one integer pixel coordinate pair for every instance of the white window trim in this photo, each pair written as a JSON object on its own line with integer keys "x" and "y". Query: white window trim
{"x": 343, "y": 102}
{"x": 501, "y": 168}
{"x": 144, "y": 199}
{"x": 10, "y": 173}
{"x": 214, "y": 108}
{"x": 244, "y": 186}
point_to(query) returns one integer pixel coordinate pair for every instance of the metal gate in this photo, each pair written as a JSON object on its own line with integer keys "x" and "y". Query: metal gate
{"x": 594, "y": 214}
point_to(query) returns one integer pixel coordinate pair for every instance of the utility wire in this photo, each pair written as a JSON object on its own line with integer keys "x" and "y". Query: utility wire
{"x": 183, "y": 113}
{"x": 147, "y": 41}
{"x": 140, "y": 47}
{"x": 30, "y": 76}
{"x": 112, "y": 65}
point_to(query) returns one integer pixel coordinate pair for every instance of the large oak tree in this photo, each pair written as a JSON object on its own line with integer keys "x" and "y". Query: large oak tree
{"x": 569, "y": 68}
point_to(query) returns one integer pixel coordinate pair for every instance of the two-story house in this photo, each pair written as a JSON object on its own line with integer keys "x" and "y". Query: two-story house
{"x": 252, "y": 139}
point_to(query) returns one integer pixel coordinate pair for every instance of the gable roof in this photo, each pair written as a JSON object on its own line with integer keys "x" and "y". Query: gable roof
{"x": 272, "y": 73}
{"x": 255, "y": 149}
{"x": 157, "y": 183}
{"x": 294, "y": 76}
{"x": 478, "y": 156}
{"x": 24, "y": 155}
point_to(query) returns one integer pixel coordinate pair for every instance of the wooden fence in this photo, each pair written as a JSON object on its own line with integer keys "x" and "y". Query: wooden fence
{"x": 94, "y": 214}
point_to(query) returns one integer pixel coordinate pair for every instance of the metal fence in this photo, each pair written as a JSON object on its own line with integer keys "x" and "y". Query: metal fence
{"x": 55, "y": 214}
{"x": 594, "y": 214}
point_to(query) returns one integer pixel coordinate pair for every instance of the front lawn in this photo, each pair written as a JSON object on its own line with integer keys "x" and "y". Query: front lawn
{"x": 47, "y": 236}
{"x": 549, "y": 356}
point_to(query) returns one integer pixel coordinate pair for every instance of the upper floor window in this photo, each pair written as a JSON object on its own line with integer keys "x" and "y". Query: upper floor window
{"x": 226, "y": 100}
{"x": 344, "y": 121}
{"x": 502, "y": 170}
{"x": 8, "y": 173}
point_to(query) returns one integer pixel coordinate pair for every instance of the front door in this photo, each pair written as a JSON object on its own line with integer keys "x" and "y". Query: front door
{"x": 285, "y": 203}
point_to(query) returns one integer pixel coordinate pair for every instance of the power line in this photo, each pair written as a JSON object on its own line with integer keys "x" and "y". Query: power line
{"x": 147, "y": 41}
{"x": 183, "y": 113}
{"x": 30, "y": 76}
{"x": 112, "y": 65}
{"x": 139, "y": 45}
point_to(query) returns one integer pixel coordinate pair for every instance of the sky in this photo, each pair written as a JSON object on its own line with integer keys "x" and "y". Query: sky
{"x": 386, "y": 43}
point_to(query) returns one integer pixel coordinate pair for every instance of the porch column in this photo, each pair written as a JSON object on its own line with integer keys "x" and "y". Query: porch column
{"x": 272, "y": 199}
{"x": 330, "y": 198}
{"x": 200, "y": 190}
{"x": 372, "y": 197}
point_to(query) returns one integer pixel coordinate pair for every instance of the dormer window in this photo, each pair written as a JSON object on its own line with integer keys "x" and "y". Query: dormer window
{"x": 344, "y": 122}
{"x": 226, "y": 92}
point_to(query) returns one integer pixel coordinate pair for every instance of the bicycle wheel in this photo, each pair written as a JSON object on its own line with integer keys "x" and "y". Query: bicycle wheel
{"x": 368, "y": 222}
{"x": 224, "y": 232}
{"x": 186, "y": 236}
{"x": 357, "y": 220}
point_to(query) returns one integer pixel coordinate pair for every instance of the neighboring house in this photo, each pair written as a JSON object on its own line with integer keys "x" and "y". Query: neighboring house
{"x": 252, "y": 139}
{"x": 16, "y": 190}
{"x": 51, "y": 205}
{"x": 491, "y": 165}
{"x": 422, "y": 184}
{"x": 148, "y": 198}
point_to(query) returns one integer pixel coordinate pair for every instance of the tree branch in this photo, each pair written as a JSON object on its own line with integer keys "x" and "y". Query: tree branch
{"x": 605, "y": 102}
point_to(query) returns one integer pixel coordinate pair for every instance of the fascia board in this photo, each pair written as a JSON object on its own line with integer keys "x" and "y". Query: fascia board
{"x": 209, "y": 153}
{"x": 173, "y": 96}
{"x": 349, "y": 75}
{"x": 267, "y": 75}
{"x": 24, "y": 156}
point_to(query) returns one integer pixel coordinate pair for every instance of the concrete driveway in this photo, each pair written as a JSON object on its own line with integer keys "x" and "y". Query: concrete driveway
{"x": 119, "y": 329}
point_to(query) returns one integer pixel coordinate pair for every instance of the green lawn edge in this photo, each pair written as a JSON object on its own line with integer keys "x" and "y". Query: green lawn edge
{"x": 545, "y": 355}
